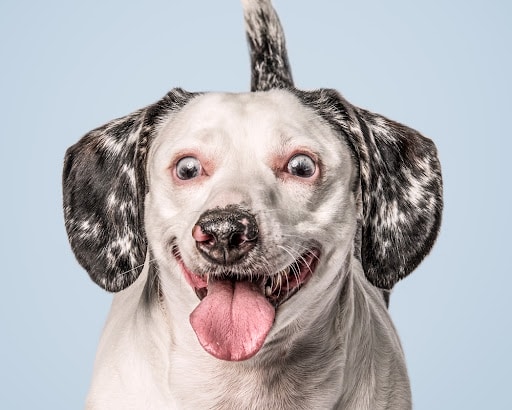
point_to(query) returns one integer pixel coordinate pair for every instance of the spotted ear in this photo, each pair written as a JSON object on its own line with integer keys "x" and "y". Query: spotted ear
{"x": 401, "y": 187}
{"x": 400, "y": 183}
{"x": 104, "y": 186}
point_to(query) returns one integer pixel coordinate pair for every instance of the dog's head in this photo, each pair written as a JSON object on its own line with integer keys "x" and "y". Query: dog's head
{"x": 266, "y": 189}
{"x": 248, "y": 197}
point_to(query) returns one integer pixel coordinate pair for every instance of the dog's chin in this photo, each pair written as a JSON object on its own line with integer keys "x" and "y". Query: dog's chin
{"x": 236, "y": 311}
{"x": 276, "y": 287}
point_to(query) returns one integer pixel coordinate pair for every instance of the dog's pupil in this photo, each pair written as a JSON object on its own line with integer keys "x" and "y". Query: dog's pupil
{"x": 188, "y": 168}
{"x": 302, "y": 166}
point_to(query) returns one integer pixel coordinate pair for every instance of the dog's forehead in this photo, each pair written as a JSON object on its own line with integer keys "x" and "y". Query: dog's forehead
{"x": 223, "y": 109}
{"x": 255, "y": 119}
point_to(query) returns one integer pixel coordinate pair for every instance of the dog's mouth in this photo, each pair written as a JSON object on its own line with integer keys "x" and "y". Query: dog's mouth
{"x": 277, "y": 287}
{"x": 236, "y": 311}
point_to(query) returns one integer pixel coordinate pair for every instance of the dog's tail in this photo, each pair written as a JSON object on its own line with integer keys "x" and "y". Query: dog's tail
{"x": 269, "y": 61}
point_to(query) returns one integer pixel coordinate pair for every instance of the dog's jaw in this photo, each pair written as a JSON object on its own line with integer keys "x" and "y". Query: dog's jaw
{"x": 236, "y": 313}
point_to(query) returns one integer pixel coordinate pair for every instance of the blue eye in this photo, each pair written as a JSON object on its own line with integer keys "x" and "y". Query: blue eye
{"x": 301, "y": 166}
{"x": 188, "y": 168}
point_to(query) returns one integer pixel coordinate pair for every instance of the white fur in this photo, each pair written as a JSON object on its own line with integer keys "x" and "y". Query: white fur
{"x": 332, "y": 344}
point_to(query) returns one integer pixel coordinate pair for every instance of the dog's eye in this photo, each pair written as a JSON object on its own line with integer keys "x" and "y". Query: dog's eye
{"x": 302, "y": 166}
{"x": 188, "y": 168}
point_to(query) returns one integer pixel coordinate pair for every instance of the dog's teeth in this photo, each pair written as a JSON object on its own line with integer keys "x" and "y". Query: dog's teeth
{"x": 284, "y": 274}
{"x": 276, "y": 283}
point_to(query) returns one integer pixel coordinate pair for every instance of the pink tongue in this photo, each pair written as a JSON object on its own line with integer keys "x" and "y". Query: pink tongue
{"x": 233, "y": 320}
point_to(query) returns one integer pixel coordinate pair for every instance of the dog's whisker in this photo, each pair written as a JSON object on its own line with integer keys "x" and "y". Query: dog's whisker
{"x": 266, "y": 266}
{"x": 290, "y": 251}
{"x": 137, "y": 267}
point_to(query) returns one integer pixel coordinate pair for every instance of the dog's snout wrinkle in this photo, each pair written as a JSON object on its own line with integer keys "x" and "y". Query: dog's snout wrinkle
{"x": 225, "y": 235}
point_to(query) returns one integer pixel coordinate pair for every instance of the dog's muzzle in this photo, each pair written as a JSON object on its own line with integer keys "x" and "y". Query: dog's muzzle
{"x": 238, "y": 297}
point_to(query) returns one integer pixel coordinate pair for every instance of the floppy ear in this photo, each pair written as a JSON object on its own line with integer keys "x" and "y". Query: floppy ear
{"x": 103, "y": 191}
{"x": 401, "y": 186}
{"x": 400, "y": 182}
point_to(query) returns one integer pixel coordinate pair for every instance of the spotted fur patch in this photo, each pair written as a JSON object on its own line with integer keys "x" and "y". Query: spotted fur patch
{"x": 269, "y": 59}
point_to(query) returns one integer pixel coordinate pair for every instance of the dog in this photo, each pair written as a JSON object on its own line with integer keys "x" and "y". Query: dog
{"x": 252, "y": 241}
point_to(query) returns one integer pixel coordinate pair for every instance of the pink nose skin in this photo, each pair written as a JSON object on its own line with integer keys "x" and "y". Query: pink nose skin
{"x": 199, "y": 235}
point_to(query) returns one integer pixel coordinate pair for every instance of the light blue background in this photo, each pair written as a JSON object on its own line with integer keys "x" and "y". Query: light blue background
{"x": 442, "y": 67}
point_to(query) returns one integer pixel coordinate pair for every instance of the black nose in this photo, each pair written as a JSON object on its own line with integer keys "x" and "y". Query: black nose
{"x": 225, "y": 235}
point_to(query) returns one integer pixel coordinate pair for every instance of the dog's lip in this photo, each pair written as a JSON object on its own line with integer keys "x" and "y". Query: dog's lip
{"x": 277, "y": 287}
{"x": 195, "y": 281}
{"x": 280, "y": 287}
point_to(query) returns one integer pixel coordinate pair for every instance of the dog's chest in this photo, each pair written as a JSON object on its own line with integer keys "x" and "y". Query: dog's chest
{"x": 227, "y": 385}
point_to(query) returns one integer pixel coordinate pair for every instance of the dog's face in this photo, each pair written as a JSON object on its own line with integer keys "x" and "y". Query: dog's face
{"x": 254, "y": 199}
{"x": 254, "y": 191}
